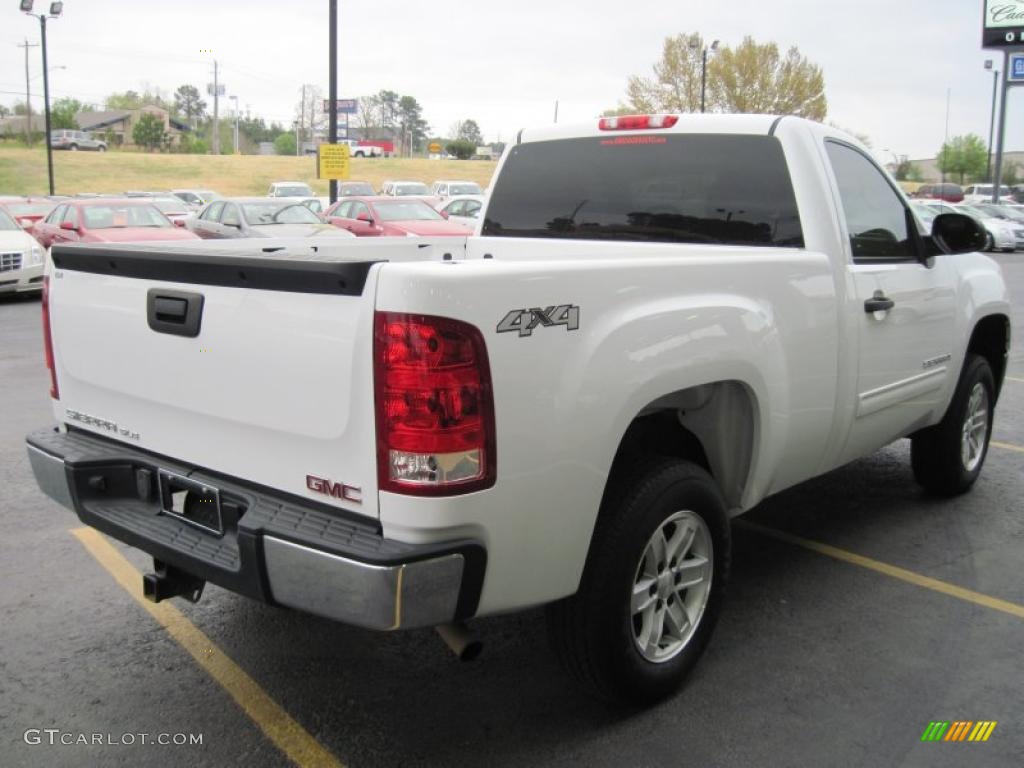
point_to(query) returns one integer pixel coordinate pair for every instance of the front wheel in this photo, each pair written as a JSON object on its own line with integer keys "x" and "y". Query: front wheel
{"x": 652, "y": 587}
{"x": 948, "y": 457}
{"x": 73, "y": 147}
{"x": 101, "y": 148}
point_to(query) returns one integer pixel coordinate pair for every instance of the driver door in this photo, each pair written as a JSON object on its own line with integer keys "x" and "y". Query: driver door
{"x": 902, "y": 307}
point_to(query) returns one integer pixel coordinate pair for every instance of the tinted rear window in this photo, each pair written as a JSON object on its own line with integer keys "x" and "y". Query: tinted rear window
{"x": 691, "y": 188}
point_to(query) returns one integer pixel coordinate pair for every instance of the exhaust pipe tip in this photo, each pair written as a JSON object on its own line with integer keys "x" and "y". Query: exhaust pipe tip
{"x": 464, "y": 644}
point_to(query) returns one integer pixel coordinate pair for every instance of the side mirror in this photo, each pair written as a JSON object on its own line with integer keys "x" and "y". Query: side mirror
{"x": 69, "y": 226}
{"x": 365, "y": 218}
{"x": 178, "y": 222}
{"x": 444, "y": 214}
{"x": 957, "y": 233}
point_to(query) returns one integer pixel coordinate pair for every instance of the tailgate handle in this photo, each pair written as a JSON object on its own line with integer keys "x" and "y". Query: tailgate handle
{"x": 176, "y": 312}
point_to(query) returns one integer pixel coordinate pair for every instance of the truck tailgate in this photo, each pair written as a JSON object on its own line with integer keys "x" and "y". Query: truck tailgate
{"x": 274, "y": 388}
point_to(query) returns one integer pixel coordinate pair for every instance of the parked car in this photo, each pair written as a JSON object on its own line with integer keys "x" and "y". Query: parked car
{"x": 116, "y": 220}
{"x": 290, "y": 189}
{"x": 258, "y": 217}
{"x": 197, "y": 197}
{"x": 950, "y": 193}
{"x": 357, "y": 149}
{"x": 28, "y": 210}
{"x": 446, "y": 189}
{"x": 464, "y": 209}
{"x": 355, "y": 189}
{"x": 982, "y": 193}
{"x": 386, "y": 216}
{"x": 405, "y": 189}
{"x": 174, "y": 208}
{"x": 21, "y": 258}
{"x": 65, "y": 138}
{"x": 1011, "y": 219}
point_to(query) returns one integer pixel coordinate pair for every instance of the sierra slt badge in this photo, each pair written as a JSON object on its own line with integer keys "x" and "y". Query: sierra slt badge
{"x": 525, "y": 320}
{"x": 95, "y": 421}
{"x": 337, "y": 490}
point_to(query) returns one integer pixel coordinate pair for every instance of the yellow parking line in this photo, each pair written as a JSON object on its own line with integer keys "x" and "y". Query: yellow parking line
{"x": 1013, "y": 378}
{"x": 891, "y": 570}
{"x": 290, "y": 737}
{"x": 1007, "y": 446}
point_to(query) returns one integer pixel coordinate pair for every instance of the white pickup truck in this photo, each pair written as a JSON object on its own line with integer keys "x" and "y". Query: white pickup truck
{"x": 660, "y": 321}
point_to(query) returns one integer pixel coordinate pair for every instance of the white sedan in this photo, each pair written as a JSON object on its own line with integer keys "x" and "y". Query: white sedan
{"x": 463, "y": 209}
{"x": 21, "y": 258}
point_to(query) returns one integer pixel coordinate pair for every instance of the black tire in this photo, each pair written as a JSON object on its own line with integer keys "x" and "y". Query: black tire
{"x": 101, "y": 148}
{"x": 73, "y": 148}
{"x": 592, "y": 632}
{"x": 936, "y": 453}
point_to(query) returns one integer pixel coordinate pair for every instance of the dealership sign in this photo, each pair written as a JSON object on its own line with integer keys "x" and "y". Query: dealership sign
{"x": 1003, "y": 25}
{"x": 345, "y": 106}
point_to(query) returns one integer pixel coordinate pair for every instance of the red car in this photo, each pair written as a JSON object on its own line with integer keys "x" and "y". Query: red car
{"x": 97, "y": 220}
{"x": 28, "y": 210}
{"x": 390, "y": 216}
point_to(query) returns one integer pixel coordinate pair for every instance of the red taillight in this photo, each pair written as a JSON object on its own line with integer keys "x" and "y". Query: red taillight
{"x": 435, "y": 409}
{"x": 48, "y": 339}
{"x": 637, "y": 122}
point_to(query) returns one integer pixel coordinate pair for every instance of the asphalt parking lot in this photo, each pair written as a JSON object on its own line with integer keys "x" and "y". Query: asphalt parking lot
{"x": 876, "y": 611}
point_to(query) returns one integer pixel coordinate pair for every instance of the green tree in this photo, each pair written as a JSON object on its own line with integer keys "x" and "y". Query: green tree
{"x": 461, "y": 148}
{"x": 468, "y": 130}
{"x": 148, "y": 132}
{"x": 756, "y": 78}
{"x": 285, "y": 144}
{"x": 411, "y": 122}
{"x": 64, "y": 113}
{"x": 963, "y": 156}
{"x": 1011, "y": 174}
{"x": 752, "y": 77}
{"x": 187, "y": 102}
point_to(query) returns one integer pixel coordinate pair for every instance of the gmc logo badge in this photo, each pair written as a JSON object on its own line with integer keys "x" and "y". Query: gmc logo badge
{"x": 337, "y": 490}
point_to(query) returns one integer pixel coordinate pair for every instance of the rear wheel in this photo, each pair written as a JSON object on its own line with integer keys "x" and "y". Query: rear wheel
{"x": 101, "y": 148}
{"x": 73, "y": 147}
{"x": 652, "y": 587}
{"x": 948, "y": 457}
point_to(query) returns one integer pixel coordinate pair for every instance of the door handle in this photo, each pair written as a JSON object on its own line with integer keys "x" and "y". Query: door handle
{"x": 878, "y": 303}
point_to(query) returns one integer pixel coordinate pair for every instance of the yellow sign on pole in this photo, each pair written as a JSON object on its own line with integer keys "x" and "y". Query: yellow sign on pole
{"x": 332, "y": 161}
{"x": 434, "y": 148}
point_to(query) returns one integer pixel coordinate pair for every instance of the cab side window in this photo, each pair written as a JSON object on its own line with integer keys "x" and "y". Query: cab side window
{"x": 56, "y": 215}
{"x": 876, "y": 218}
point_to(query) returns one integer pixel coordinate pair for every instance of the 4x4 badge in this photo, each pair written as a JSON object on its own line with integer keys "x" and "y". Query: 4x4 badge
{"x": 525, "y": 320}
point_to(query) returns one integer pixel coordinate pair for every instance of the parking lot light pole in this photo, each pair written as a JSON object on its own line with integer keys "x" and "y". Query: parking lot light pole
{"x": 694, "y": 44}
{"x": 54, "y": 12}
{"x": 992, "y": 121}
{"x": 332, "y": 87}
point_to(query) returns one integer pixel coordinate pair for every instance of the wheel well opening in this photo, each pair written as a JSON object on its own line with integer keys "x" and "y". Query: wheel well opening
{"x": 991, "y": 340}
{"x": 712, "y": 425}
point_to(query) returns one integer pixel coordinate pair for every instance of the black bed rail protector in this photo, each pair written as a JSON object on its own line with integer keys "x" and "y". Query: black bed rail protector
{"x": 273, "y": 272}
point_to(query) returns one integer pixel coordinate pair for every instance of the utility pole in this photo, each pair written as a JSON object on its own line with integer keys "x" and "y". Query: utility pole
{"x": 332, "y": 87}
{"x": 302, "y": 121}
{"x": 216, "y": 111}
{"x": 28, "y": 92}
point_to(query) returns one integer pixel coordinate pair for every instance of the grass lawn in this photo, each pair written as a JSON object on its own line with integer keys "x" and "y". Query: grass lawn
{"x": 23, "y": 171}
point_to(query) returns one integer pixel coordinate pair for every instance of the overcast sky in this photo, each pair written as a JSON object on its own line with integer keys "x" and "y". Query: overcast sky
{"x": 887, "y": 63}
